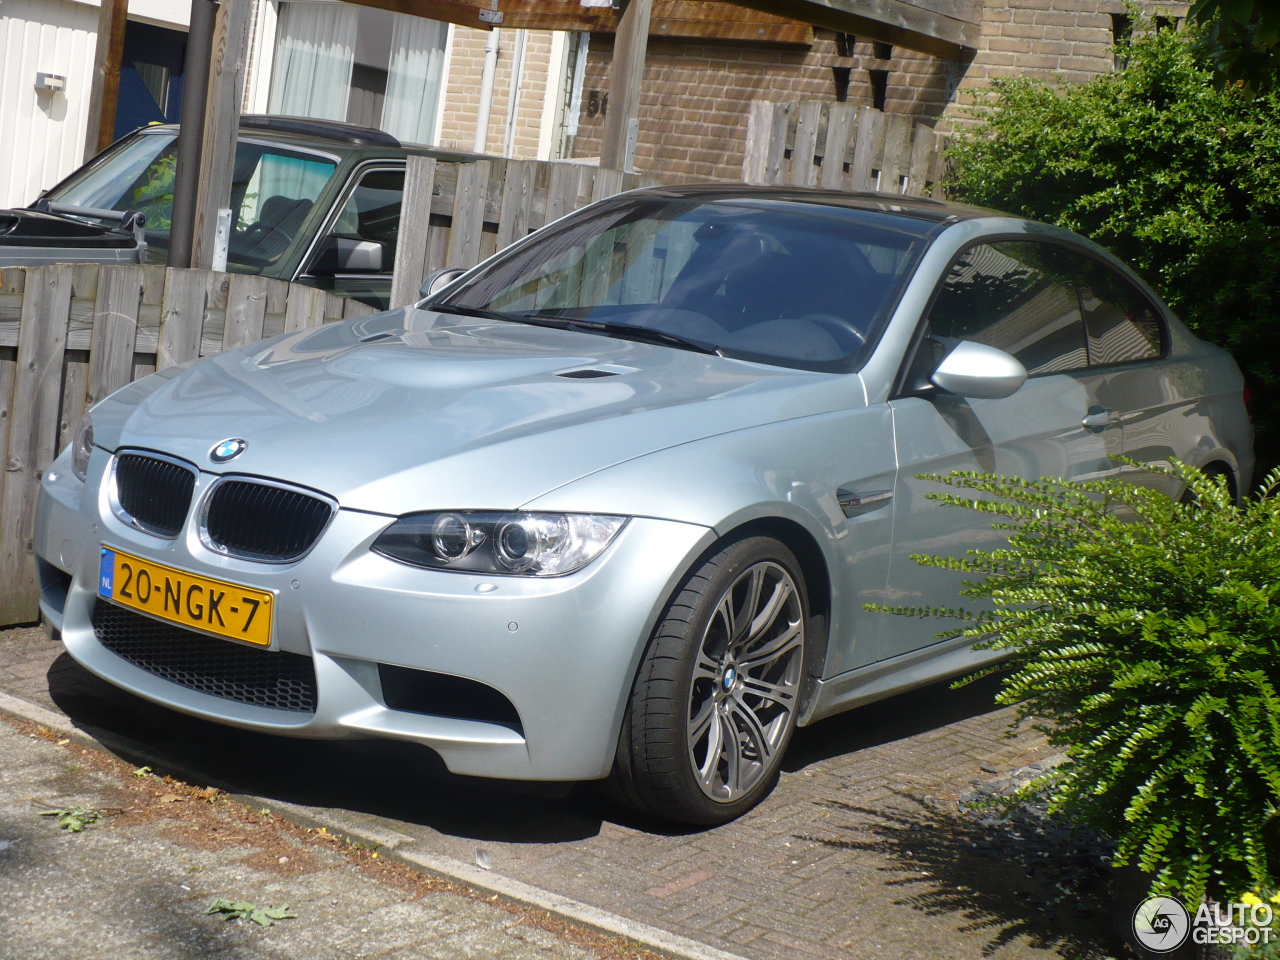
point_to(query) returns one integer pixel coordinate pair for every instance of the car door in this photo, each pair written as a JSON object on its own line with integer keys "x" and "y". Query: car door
{"x": 356, "y": 253}
{"x": 1153, "y": 400}
{"x": 1019, "y": 296}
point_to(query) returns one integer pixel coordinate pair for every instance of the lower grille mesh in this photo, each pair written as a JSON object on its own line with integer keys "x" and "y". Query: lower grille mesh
{"x": 221, "y": 668}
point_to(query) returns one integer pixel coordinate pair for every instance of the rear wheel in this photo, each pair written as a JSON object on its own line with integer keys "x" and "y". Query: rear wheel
{"x": 714, "y": 702}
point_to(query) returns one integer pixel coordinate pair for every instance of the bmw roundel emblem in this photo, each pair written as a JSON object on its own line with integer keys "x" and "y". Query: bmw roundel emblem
{"x": 227, "y": 450}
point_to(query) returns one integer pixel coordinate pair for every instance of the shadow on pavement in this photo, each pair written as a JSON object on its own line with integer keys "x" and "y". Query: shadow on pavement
{"x": 885, "y": 721}
{"x": 407, "y": 782}
{"x": 944, "y": 862}
{"x": 402, "y": 781}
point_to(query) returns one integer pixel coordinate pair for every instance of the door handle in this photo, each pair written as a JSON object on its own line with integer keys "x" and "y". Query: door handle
{"x": 1099, "y": 418}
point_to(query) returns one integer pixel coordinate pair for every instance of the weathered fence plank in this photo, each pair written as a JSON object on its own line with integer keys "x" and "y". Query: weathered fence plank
{"x": 115, "y": 331}
{"x": 415, "y": 226}
{"x": 246, "y": 311}
{"x": 181, "y": 317}
{"x": 468, "y": 214}
{"x": 840, "y": 126}
{"x": 33, "y": 432}
{"x": 840, "y": 146}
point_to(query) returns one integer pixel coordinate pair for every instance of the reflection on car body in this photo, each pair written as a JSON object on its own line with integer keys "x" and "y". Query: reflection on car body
{"x": 611, "y": 503}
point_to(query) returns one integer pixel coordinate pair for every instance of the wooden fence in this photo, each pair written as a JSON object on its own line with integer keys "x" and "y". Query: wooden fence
{"x": 479, "y": 208}
{"x": 841, "y": 146}
{"x": 72, "y": 334}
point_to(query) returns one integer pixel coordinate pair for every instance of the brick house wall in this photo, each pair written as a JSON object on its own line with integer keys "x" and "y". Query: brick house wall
{"x": 695, "y": 95}
{"x": 461, "y": 102}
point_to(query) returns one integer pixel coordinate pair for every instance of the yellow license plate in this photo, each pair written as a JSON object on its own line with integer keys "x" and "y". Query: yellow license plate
{"x": 214, "y": 606}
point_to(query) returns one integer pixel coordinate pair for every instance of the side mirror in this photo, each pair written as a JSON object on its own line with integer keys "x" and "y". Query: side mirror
{"x": 344, "y": 255}
{"x": 978, "y": 371}
{"x": 439, "y": 280}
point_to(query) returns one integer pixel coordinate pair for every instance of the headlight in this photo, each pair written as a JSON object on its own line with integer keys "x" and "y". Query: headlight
{"x": 514, "y": 544}
{"x": 82, "y": 447}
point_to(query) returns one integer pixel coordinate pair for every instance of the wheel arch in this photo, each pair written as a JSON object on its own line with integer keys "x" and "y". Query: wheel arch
{"x": 817, "y": 578}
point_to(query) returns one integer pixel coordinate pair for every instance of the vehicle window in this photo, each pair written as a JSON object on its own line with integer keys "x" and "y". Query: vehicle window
{"x": 372, "y": 212}
{"x": 1122, "y": 324}
{"x": 783, "y": 282}
{"x": 272, "y": 191}
{"x": 136, "y": 176}
{"x": 1018, "y": 297}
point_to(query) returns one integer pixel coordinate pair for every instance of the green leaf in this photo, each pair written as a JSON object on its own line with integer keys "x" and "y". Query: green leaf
{"x": 245, "y": 910}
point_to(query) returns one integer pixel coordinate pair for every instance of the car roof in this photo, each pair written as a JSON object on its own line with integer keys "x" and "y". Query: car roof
{"x": 331, "y": 135}
{"x": 919, "y": 208}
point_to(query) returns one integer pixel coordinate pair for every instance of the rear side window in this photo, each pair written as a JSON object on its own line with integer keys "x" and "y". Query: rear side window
{"x": 1019, "y": 297}
{"x": 1123, "y": 326}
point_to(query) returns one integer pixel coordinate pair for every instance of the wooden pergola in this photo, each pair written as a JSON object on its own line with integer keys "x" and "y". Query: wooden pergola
{"x": 218, "y": 42}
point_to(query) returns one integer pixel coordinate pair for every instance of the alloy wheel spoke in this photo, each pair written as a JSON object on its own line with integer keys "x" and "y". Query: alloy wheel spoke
{"x": 733, "y": 756}
{"x": 745, "y": 626}
{"x": 701, "y": 721}
{"x": 772, "y": 650}
{"x": 715, "y": 745}
{"x": 705, "y": 668}
{"x": 783, "y": 694}
{"x": 754, "y": 729}
{"x": 762, "y": 621}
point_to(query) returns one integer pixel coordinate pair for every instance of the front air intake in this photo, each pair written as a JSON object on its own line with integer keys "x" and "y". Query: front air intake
{"x": 153, "y": 493}
{"x": 261, "y": 520}
{"x": 221, "y": 668}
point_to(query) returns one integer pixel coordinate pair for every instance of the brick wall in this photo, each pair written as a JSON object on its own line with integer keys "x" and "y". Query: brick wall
{"x": 462, "y": 94}
{"x": 695, "y": 96}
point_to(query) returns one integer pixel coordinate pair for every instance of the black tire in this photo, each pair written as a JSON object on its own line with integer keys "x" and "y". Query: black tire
{"x": 657, "y": 765}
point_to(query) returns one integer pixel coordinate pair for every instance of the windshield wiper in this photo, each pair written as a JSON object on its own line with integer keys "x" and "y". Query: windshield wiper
{"x": 623, "y": 331}
{"x": 627, "y": 331}
{"x": 464, "y": 311}
{"x": 130, "y": 221}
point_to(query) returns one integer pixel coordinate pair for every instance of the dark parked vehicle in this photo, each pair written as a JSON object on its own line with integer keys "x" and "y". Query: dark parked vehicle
{"x": 312, "y": 201}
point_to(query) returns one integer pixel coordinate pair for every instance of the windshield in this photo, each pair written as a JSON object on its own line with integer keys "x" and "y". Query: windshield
{"x": 784, "y": 282}
{"x": 272, "y": 191}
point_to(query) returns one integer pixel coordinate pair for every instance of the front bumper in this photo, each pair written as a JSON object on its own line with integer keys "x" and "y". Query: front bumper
{"x": 562, "y": 650}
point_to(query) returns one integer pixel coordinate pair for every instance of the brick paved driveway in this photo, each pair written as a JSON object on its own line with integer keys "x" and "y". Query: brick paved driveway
{"x": 860, "y": 852}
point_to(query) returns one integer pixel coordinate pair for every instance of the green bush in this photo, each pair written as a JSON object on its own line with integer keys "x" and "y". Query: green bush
{"x": 1144, "y": 637}
{"x": 1177, "y": 177}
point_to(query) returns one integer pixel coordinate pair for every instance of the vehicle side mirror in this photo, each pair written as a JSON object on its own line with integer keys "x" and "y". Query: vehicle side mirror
{"x": 978, "y": 371}
{"x": 344, "y": 255}
{"x": 439, "y": 280}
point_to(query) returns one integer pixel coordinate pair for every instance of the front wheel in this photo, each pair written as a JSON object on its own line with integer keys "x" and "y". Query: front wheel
{"x": 714, "y": 702}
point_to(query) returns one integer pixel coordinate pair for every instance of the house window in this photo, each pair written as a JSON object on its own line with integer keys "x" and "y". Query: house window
{"x": 337, "y": 61}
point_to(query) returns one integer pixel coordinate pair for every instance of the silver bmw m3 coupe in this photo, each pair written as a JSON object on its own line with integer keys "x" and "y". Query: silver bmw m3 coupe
{"x": 612, "y": 502}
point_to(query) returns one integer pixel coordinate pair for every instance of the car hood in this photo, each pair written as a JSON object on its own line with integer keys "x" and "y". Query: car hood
{"x": 415, "y": 410}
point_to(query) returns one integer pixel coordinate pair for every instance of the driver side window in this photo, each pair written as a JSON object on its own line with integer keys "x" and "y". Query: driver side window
{"x": 1019, "y": 297}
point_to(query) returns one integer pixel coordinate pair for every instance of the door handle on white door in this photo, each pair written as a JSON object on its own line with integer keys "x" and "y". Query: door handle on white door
{"x": 1099, "y": 418}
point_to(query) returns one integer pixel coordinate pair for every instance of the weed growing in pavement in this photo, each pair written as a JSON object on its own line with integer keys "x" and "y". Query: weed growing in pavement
{"x": 73, "y": 819}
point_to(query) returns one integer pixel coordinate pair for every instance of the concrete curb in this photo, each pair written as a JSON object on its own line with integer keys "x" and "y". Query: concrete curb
{"x": 433, "y": 865}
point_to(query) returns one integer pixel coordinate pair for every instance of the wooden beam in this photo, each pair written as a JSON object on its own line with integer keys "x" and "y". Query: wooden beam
{"x": 694, "y": 19}
{"x": 940, "y": 27}
{"x": 626, "y": 73}
{"x": 698, "y": 19}
{"x": 221, "y": 124}
{"x": 912, "y": 25}
{"x": 466, "y": 13}
{"x": 107, "y": 59}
